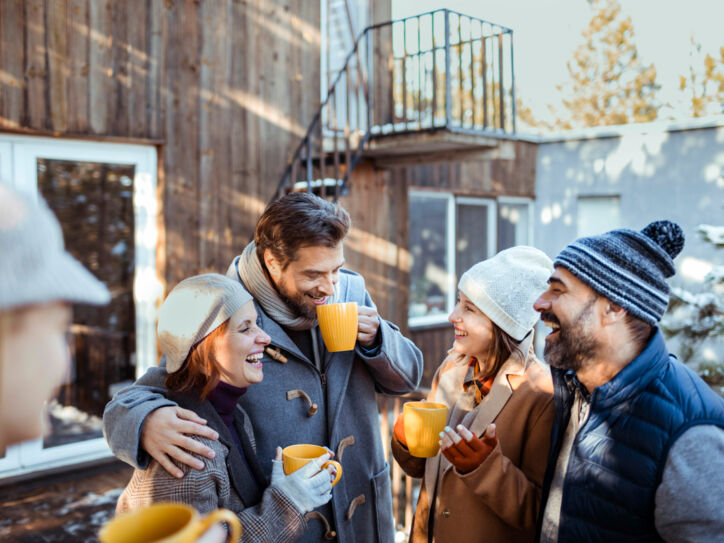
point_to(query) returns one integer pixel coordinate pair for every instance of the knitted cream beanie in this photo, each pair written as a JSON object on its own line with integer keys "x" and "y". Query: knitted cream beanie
{"x": 505, "y": 286}
{"x": 192, "y": 310}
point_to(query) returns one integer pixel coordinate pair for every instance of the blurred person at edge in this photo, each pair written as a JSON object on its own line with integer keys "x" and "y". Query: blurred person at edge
{"x": 637, "y": 447}
{"x": 39, "y": 281}
{"x": 485, "y": 484}
{"x": 212, "y": 343}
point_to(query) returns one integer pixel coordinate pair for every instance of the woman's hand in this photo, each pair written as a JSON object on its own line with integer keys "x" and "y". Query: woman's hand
{"x": 165, "y": 436}
{"x": 465, "y": 450}
{"x": 308, "y": 487}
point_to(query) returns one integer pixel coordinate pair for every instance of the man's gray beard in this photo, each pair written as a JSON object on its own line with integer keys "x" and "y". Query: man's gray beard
{"x": 573, "y": 347}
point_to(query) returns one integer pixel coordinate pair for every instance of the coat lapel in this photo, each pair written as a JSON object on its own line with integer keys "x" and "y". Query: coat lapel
{"x": 338, "y": 366}
{"x": 449, "y": 388}
{"x": 246, "y": 481}
{"x": 242, "y": 479}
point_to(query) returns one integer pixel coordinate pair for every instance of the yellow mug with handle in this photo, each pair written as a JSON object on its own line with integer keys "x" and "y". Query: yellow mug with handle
{"x": 166, "y": 522}
{"x": 295, "y": 457}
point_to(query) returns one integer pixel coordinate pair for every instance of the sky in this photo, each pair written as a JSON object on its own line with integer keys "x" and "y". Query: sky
{"x": 546, "y": 32}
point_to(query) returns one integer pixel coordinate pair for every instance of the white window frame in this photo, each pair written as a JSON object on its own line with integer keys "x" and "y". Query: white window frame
{"x": 450, "y": 237}
{"x": 502, "y": 200}
{"x": 18, "y": 167}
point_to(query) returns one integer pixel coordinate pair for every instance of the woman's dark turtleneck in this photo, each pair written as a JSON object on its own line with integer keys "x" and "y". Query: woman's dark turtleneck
{"x": 224, "y": 398}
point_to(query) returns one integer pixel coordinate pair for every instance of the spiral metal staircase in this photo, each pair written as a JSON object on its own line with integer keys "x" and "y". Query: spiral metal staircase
{"x": 431, "y": 82}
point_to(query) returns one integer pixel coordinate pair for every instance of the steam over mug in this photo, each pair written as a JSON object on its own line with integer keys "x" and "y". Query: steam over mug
{"x": 423, "y": 423}
{"x": 338, "y": 324}
{"x": 295, "y": 457}
{"x": 166, "y": 522}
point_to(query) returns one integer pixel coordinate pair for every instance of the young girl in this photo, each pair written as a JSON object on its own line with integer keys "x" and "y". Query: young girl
{"x": 208, "y": 332}
{"x": 485, "y": 483}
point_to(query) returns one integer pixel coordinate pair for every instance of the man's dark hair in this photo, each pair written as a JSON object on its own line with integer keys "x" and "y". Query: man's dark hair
{"x": 299, "y": 219}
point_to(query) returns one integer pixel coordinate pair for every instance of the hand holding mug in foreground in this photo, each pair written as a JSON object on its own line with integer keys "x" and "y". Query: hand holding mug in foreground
{"x": 308, "y": 487}
{"x": 465, "y": 450}
{"x": 167, "y": 522}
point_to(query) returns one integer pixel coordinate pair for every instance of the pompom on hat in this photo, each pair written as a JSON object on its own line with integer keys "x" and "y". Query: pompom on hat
{"x": 505, "y": 286}
{"x": 35, "y": 268}
{"x": 192, "y": 310}
{"x": 627, "y": 267}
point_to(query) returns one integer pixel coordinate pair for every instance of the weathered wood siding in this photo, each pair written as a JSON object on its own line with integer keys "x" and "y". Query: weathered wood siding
{"x": 227, "y": 87}
{"x": 379, "y": 242}
{"x": 510, "y": 171}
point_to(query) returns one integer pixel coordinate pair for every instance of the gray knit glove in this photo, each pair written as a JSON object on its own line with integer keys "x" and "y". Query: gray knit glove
{"x": 308, "y": 487}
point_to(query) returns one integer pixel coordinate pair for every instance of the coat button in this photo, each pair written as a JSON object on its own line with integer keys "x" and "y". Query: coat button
{"x": 446, "y": 513}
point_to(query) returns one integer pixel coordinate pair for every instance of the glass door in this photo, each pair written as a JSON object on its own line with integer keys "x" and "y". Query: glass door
{"x": 104, "y": 197}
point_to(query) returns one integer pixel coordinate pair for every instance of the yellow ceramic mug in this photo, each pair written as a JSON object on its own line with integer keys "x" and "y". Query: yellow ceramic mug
{"x": 338, "y": 324}
{"x": 423, "y": 423}
{"x": 166, "y": 522}
{"x": 297, "y": 456}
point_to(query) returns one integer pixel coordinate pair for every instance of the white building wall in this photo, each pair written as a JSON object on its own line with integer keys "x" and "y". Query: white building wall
{"x": 658, "y": 170}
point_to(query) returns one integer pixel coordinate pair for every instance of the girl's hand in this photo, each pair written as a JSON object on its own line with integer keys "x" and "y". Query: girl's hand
{"x": 465, "y": 450}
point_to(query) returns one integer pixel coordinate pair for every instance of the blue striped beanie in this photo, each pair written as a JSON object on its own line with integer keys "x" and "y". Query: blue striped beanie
{"x": 627, "y": 267}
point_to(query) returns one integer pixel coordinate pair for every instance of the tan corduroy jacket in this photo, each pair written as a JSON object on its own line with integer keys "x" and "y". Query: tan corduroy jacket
{"x": 499, "y": 501}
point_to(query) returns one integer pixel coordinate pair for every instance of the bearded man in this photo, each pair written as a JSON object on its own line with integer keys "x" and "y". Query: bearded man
{"x": 307, "y": 395}
{"x": 637, "y": 447}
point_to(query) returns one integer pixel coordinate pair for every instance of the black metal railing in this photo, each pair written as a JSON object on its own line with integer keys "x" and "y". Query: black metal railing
{"x": 440, "y": 70}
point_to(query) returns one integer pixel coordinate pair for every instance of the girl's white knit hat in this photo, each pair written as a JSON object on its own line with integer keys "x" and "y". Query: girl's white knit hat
{"x": 505, "y": 286}
{"x": 192, "y": 310}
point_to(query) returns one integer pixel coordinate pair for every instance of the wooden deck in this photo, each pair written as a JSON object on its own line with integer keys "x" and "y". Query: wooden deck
{"x": 68, "y": 507}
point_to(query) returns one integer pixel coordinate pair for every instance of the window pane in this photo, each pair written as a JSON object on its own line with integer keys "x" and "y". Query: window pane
{"x": 513, "y": 223}
{"x": 598, "y": 214}
{"x": 94, "y": 204}
{"x": 428, "y": 248}
{"x": 471, "y": 238}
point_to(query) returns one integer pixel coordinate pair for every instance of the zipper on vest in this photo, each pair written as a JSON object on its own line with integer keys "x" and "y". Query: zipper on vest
{"x": 324, "y": 379}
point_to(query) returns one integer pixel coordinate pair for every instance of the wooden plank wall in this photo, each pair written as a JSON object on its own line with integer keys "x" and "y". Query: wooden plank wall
{"x": 378, "y": 205}
{"x": 227, "y": 87}
{"x": 510, "y": 173}
{"x": 377, "y": 244}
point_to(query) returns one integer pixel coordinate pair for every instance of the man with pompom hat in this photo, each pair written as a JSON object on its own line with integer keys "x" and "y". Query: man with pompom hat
{"x": 637, "y": 447}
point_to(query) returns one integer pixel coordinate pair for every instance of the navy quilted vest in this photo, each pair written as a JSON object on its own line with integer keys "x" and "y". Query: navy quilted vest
{"x": 620, "y": 452}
